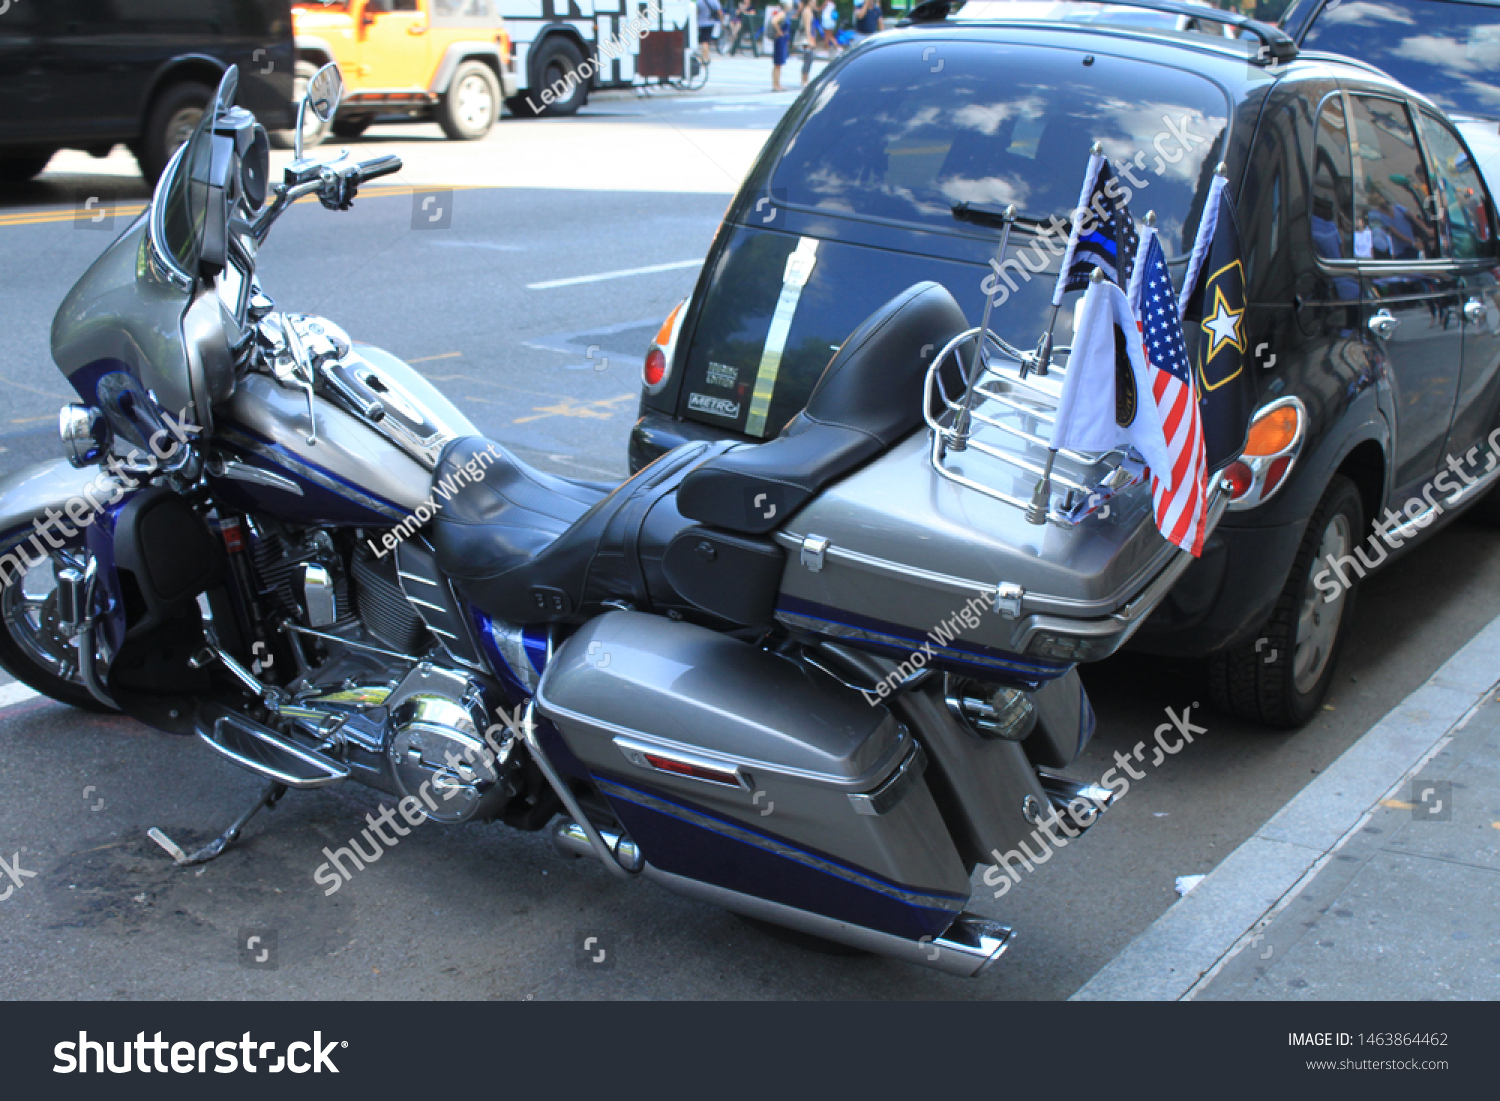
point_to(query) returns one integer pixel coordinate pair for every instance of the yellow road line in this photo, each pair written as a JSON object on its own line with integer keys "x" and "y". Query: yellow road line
{"x": 130, "y": 210}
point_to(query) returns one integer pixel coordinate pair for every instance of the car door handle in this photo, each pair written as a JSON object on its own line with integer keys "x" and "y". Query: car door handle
{"x": 417, "y": 28}
{"x": 1474, "y": 312}
{"x": 1383, "y": 324}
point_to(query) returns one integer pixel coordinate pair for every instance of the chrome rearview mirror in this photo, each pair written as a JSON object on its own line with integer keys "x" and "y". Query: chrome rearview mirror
{"x": 324, "y": 91}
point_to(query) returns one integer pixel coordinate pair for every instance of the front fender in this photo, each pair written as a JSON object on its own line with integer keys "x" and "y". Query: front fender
{"x": 28, "y": 495}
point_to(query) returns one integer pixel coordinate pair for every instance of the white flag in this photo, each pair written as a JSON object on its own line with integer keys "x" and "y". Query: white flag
{"x": 1087, "y": 415}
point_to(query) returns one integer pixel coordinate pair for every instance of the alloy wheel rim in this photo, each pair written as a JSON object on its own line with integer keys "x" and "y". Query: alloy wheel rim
{"x": 1318, "y": 622}
{"x": 28, "y": 606}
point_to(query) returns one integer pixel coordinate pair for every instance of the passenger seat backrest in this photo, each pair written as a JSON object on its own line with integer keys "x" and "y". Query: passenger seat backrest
{"x": 868, "y": 398}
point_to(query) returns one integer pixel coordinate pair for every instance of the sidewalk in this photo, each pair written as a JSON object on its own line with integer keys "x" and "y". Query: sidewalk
{"x": 739, "y": 75}
{"x": 1379, "y": 881}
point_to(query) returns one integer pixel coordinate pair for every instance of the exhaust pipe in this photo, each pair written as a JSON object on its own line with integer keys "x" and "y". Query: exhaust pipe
{"x": 1083, "y": 803}
{"x": 965, "y": 948}
{"x": 569, "y": 838}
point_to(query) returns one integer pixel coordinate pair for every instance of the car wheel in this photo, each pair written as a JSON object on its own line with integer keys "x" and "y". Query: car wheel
{"x": 471, "y": 104}
{"x": 1282, "y": 677}
{"x": 558, "y": 60}
{"x": 14, "y": 170}
{"x": 174, "y": 115}
{"x": 351, "y": 128}
{"x": 31, "y": 646}
{"x": 314, "y": 129}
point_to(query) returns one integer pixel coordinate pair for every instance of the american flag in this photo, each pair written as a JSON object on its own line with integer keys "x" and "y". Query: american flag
{"x": 1110, "y": 245}
{"x": 1181, "y": 509}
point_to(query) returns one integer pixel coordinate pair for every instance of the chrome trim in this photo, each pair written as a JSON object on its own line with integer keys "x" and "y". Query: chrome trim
{"x": 236, "y": 471}
{"x": 85, "y": 434}
{"x": 333, "y": 771}
{"x": 317, "y": 591}
{"x": 569, "y": 838}
{"x": 965, "y": 949}
{"x": 1259, "y": 464}
{"x": 888, "y": 795}
{"x": 1383, "y": 323}
{"x": 813, "y": 549}
{"x": 564, "y": 793}
{"x": 155, "y": 242}
{"x": 1411, "y": 527}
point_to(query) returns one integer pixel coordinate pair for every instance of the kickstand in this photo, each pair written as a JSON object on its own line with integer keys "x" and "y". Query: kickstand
{"x": 268, "y": 798}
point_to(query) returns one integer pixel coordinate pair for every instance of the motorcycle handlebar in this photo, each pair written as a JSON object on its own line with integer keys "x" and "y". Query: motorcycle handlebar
{"x": 379, "y": 166}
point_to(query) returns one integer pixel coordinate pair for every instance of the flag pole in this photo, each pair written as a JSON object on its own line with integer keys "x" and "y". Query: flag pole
{"x": 1041, "y": 496}
{"x": 1043, "y": 354}
{"x": 959, "y": 439}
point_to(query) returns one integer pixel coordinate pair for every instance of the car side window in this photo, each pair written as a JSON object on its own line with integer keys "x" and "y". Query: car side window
{"x": 1392, "y": 192}
{"x": 1332, "y": 187}
{"x": 1461, "y": 200}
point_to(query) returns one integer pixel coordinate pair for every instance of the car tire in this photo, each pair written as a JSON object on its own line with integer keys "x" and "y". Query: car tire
{"x": 558, "y": 57}
{"x": 352, "y": 127}
{"x": 14, "y": 170}
{"x": 471, "y": 104}
{"x": 314, "y": 129}
{"x": 174, "y": 113}
{"x": 1281, "y": 679}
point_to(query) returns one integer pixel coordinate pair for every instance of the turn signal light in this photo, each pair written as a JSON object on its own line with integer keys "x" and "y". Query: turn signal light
{"x": 1271, "y": 450}
{"x": 656, "y": 367}
{"x": 1274, "y": 430}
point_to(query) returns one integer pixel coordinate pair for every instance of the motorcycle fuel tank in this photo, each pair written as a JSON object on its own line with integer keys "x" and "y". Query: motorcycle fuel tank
{"x": 358, "y": 471}
{"x": 730, "y": 765}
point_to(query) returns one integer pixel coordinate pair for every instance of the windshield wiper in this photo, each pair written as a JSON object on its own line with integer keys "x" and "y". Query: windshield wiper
{"x": 984, "y": 214}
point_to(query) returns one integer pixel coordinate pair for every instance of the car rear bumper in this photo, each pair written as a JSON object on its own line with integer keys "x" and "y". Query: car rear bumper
{"x": 1225, "y": 597}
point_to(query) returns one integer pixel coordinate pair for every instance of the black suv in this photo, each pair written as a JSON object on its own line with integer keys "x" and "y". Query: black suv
{"x": 90, "y": 74}
{"x": 1369, "y": 245}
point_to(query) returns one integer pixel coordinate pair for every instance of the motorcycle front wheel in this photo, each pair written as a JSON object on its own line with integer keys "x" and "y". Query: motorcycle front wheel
{"x": 32, "y": 646}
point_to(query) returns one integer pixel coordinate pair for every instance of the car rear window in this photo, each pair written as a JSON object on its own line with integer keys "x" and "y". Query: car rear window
{"x": 1448, "y": 52}
{"x": 912, "y": 128}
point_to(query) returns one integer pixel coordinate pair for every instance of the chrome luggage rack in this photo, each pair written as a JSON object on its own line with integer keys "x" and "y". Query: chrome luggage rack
{"x": 1006, "y": 413}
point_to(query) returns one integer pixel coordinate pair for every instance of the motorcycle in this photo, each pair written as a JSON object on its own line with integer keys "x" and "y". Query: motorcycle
{"x": 816, "y": 681}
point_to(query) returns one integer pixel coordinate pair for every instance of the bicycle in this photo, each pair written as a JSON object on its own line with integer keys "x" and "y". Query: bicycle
{"x": 695, "y": 78}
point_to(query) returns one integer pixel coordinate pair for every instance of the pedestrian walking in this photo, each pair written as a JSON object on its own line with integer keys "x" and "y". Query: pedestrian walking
{"x": 868, "y": 20}
{"x": 709, "y": 14}
{"x": 812, "y": 34}
{"x": 830, "y": 20}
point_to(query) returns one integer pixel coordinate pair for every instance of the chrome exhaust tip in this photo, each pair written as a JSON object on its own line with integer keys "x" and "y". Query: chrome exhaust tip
{"x": 1083, "y": 803}
{"x": 569, "y": 838}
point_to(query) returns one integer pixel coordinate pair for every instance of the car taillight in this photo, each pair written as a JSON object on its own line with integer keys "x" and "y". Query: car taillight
{"x": 656, "y": 367}
{"x": 1240, "y": 479}
{"x": 658, "y": 363}
{"x": 1271, "y": 447}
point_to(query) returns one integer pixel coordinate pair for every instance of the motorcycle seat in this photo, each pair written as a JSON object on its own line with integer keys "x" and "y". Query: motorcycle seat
{"x": 868, "y": 398}
{"x": 530, "y": 547}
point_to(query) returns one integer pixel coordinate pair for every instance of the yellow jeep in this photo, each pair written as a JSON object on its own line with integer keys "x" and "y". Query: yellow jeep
{"x": 448, "y": 60}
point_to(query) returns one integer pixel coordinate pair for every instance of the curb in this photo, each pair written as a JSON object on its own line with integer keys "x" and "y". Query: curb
{"x": 1200, "y": 933}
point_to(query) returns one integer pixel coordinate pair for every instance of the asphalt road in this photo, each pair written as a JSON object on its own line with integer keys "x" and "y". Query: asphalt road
{"x": 480, "y": 911}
